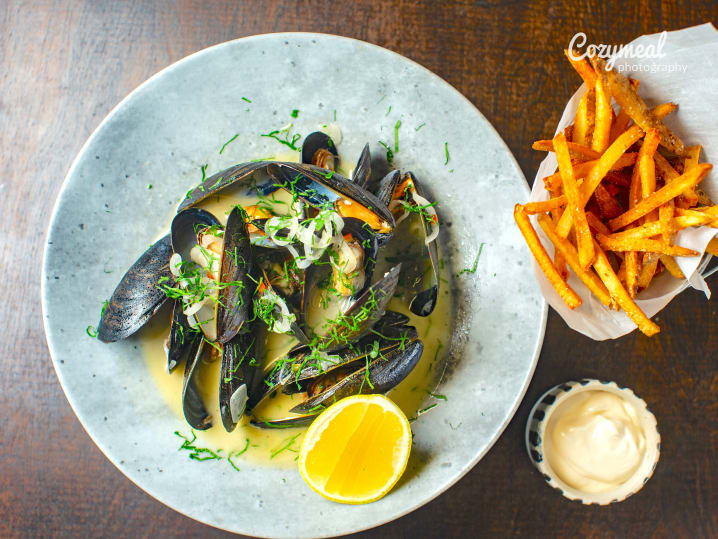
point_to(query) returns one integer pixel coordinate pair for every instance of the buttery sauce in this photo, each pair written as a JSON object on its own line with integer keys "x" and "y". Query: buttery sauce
{"x": 279, "y": 447}
{"x": 594, "y": 441}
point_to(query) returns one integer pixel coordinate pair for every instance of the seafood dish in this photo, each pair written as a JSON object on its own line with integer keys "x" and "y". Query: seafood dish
{"x": 291, "y": 249}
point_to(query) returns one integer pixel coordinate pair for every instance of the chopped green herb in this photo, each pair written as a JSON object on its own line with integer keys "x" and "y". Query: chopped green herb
{"x": 388, "y": 111}
{"x": 285, "y": 446}
{"x": 247, "y": 100}
{"x": 389, "y": 153}
{"x": 285, "y": 141}
{"x": 228, "y": 142}
{"x": 295, "y": 113}
{"x": 149, "y": 186}
{"x": 446, "y": 152}
{"x": 397, "y": 125}
{"x": 424, "y": 410}
{"x": 91, "y": 331}
{"x": 437, "y": 396}
{"x": 419, "y": 127}
{"x": 476, "y": 262}
{"x": 335, "y": 115}
{"x": 197, "y": 453}
{"x": 237, "y": 454}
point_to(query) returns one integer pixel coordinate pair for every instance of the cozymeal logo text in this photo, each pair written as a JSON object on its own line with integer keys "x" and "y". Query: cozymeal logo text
{"x": 611, "y": 53}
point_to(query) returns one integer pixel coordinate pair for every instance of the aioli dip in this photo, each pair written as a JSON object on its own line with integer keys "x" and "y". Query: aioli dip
{"x": 594, "y": 441}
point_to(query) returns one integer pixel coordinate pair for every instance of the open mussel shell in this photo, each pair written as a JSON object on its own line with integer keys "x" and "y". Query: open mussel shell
{"x": 239, "y": 375}
{"x": 386, "y": 340}
{"x": 320, "y": 189}
{"x": 184, "y": 229}
{"x": 382, "y": 374}
{"x": 193, "y": 407}
{"x": 295, "y": 329}
{"x": 424, "y": 301}
{"x": 137, "y": 297}
{"x": 183, "y": 339}
{"x": 369, "y": 244}
{"x": 285, "y": 423}
{"x": 238, "y": 266}
{"x": 359, "y": 318}
{"x": 387, "y": 184}
{"x": 362, "y": 172}
{"x": 242, "y": 174}
{"x": 319, "y": 149}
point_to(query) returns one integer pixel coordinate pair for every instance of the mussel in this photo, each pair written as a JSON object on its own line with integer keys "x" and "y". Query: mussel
{"x": 374, "y": 364}
{"x": 137, "y": 298}
{"x": 233, "y": 284}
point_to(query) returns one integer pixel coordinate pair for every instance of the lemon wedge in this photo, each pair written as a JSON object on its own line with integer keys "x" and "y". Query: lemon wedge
{"x": 356, "y": 450}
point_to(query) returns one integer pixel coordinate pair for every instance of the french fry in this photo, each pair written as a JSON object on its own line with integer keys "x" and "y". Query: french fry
{"x": 672, "y": 266}
{"x": 663, "y": 110}
{"x": 583, "y": 68}
{"x": 570, "y": 255}
{"x": 597, "y": 173}
{"x": 620, "y": 125}
{"x": 604, "y": 115}
{"x": 577, "y": 151}
{"x": 643, "y": 245}
{"x": 584, "y": 241}
{"x": 712, "y": 247}
{"x": 665, "y": 168}
{"x": 648, "y": 269}
{"x": 629, "y": 100}
{"x": 692, "y": 155}
{"x": 668, "y": 192}
{"x": 654, "y": 228}
{"x": 581, "y": 170}
{"x": 665, "y": 216}
{"x": 544, "y": 261}
{"x": 544, "y": 206}
{"x": 596, "y": 224}
{"x": 620, "y": 295}
{"x": 582, "y": 123}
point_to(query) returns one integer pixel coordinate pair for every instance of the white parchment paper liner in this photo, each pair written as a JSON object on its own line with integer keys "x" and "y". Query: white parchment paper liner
{"x": 686, "y": 74}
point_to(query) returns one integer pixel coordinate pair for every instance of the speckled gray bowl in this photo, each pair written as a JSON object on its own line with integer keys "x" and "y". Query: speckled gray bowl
{"x": 161, "y": 134}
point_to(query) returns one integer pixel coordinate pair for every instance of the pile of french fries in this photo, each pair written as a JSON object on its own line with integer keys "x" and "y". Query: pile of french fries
{"x": 625, "y": 185}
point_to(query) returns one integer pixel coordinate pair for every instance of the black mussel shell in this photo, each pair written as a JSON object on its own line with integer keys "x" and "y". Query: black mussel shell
{"x": 137, "y": 298}
{"x": 362, "y": 172}
{"x": 193, "y": 407}
{"x": 386, "y": 187}
{"x": 319, "y": 149}
{"x": 363, "y": 313}
{"x": 238, "y": 266}
{"x": 183, "y": 341}
{"x": 239, "y": 375}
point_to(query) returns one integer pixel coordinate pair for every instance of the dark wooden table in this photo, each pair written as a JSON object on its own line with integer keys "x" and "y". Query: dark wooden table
{"x": 65, "y": 64}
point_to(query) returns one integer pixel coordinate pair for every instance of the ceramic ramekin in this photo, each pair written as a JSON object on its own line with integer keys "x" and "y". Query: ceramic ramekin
{"x": 551, "y": 401}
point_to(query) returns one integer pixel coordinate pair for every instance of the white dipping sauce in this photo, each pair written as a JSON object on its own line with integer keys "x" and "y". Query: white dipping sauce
{"x": 594, "y": 441}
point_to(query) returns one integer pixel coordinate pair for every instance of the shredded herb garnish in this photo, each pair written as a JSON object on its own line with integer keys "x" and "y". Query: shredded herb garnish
{"x": 397, "y": 125}
{"x": 295, "y": 113}
{"x": 424, "y": 410}
{"x": 389, "y": 153}
{"x": 476, "y": 262}
{"x": 419, "y": 127}
{"x": 285, "y": 141}
{"x": 446, "y": 152}
{"x": 91, "y": 331}
{"x": 197, "y": 453}
{"x": 247, "y": 100}
{"x": 285, "y": 446}
{"x": 149, "y": 186}
{"x": 335, "y": 115}
{"x": 237, "y": 454}
{"x": 437, "y": 396}
{"x": 388, "y": 111}
{"x": 228, "y": 142}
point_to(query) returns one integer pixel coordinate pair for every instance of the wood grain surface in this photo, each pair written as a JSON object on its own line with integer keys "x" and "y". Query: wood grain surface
{"x": 65, "y": 64}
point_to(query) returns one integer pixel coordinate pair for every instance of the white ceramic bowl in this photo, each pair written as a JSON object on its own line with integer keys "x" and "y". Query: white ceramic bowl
{"x": 551, "y": 401}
